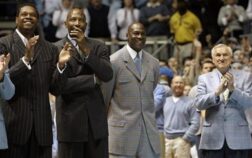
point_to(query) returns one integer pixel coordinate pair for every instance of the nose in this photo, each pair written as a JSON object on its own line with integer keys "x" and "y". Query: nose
{"x": 222, "y": 57}
{"x": 77, "y": 23}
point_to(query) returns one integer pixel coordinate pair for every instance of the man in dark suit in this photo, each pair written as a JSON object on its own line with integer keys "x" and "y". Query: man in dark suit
{"x": 33, "y": 71}
{"x": 81, "y": 113}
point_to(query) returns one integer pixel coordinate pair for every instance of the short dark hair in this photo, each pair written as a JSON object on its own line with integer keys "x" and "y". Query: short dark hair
{"x": 76, "y": 8}
{"x": 21, "y": 5}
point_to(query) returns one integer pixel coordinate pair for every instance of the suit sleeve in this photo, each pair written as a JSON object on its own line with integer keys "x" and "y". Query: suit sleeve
{"x": 7, "y": 88}
{"x": 194, "y": 124}
{"x": 58, "y": 80}
{"x": 243, "y": 97}
{"x": 100, "y": 64}
{"x": 203, "y": 99}
{"x": 81, "y": 83}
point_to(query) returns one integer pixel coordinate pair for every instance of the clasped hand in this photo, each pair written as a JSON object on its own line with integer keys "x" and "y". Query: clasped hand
{"x": 226, "y": 83}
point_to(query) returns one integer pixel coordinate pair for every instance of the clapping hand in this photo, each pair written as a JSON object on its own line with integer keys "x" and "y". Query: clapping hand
{"x": 29, "y": 52}
{"x": 64, "y": 55}
{"x": 4, "y": 61}
{"x": 226, "y": 83}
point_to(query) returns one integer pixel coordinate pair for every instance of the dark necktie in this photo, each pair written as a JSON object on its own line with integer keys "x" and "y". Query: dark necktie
{"x": 138, "y": 63}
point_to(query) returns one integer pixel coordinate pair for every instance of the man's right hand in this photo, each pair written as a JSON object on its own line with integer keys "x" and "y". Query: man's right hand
{"x": 29, "y": 52}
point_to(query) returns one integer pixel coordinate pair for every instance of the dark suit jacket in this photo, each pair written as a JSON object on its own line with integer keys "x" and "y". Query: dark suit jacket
{"x": 81, "y": 101}
{"x": 29, "y": 108}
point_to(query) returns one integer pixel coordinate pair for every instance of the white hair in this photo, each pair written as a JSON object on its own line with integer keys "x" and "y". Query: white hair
{"x": 229, "y": 49}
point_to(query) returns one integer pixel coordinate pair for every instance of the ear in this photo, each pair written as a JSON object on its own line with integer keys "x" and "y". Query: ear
{"x": 16, "y": 20}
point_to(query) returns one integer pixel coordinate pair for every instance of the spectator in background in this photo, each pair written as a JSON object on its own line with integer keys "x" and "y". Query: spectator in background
{"x": 125, "y": 17}
{"x": 160, "y": 95}
{"x": 46, "y": 9}
{"x": 206, "y": 66}
{"x": 248, "y": 28}
{"x": 59, "y": 17}
{"x": 155, "y": 16}
{"x": 232, "y": 17}
{"x": 98, "y": 25}
{"x": 174, "y": 65}
{"x": 186, "y": 27}
{"x": 181, "y": 121}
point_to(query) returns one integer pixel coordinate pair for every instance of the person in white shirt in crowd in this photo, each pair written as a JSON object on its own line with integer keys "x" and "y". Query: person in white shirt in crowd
{"x": 59, "y": 17}
{"x": 232, "y": 16}
{"x": 125, "y": 17}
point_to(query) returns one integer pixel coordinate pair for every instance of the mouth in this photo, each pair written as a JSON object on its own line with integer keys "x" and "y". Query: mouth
{"x": 28, "y": 22}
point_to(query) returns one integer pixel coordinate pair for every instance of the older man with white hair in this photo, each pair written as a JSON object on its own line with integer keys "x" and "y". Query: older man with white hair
{"x": 224, "y": 94}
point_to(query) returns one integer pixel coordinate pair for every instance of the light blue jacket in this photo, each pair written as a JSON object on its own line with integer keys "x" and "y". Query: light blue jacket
{"x": 7, "y": 90}
{"x": 225, "y": 121}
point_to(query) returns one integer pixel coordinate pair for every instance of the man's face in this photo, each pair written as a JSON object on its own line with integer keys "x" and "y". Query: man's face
{"x": 177, "y": 86}
{"x": 222, "y": 58}
{"x": 76, "y": 19}
{"x": 207, "y": 67}
{"x": 27, "y": 19}
{"x": 136, "y": 36}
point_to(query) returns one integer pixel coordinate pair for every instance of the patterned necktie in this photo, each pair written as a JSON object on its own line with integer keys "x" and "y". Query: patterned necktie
{"x": 225, "y": 93}
{"x": 138, "y": 63}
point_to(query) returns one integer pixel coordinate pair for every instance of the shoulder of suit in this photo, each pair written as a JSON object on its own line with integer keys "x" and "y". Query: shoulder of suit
{"x": 115, "y": 57}
{"x": 206, "y": 75}
{"x": 6, "y": 38}
{"x": 151, "y": 57}
{"x": 95, "y": 41}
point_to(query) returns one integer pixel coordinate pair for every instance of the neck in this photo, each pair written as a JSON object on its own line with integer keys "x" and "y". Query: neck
{"x": 224, "y": 70}
{"x": 27, "y": 33}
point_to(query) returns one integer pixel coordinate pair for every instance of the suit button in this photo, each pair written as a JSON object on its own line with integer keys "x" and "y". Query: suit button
{"x": 225, "y": 119}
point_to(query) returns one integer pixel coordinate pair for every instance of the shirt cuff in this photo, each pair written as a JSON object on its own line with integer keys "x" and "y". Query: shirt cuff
{"x": 96, "y": 80}
{"x": 224, "y": 21}
{"x": 27, "y": 64}
{"x": 61, "y": 71}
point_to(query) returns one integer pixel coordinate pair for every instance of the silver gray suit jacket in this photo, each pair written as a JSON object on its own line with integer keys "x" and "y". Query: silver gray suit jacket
{"x": 7, "y": 90}
{"x": 225, "y": 121}
{"x": 130, "y": 97}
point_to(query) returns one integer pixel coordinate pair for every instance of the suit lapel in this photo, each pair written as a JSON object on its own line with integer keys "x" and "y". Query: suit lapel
{"x": 215, "y": 79}
{"x": 75, "y": 53}
{"x": 19, "y": 47}
{"x": 130, "y": 65}
{"x": 37, "y": 50}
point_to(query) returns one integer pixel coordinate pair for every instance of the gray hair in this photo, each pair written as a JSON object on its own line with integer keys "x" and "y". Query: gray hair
{"x": 229, "y": 49}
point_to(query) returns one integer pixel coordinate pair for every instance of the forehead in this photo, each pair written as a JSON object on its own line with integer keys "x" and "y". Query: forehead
{"x": 29, "y": 9}
{"x": 208, "y": 65}
{"x": 178, "y": 79}
{"x": 137, "y": 27}
{"x": 76, "y": 13}
{"x": 221, "y": 50}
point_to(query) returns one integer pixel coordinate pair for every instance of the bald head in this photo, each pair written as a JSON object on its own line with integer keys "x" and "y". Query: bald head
{"x": 136, "y": 36}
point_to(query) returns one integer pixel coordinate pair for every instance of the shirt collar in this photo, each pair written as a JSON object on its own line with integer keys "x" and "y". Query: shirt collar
{"x": 72, "y": 41}
{"x": 231, "y": 6}
{"x": 175, "y": 99}
{"x": 23, "y": 38}
{"x": 153, "y": 5}
{"x": 133, "y": 53}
